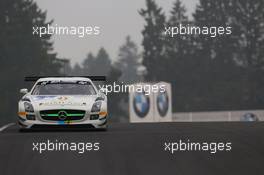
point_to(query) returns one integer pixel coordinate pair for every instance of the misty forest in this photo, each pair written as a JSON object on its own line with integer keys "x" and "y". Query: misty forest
{"x": 206, "y": 73}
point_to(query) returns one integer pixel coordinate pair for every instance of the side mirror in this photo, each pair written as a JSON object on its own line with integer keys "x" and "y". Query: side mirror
{"x": 24, "y": 91}
{"x": 103, "y": 91}
{"x": 101, "y": 96}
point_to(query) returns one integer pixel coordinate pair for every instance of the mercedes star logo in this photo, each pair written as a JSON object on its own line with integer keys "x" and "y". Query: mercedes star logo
{"x": 62, "y": 115}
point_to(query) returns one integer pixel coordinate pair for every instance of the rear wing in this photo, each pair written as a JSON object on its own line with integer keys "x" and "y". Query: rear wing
{"x": 93, "y": 78}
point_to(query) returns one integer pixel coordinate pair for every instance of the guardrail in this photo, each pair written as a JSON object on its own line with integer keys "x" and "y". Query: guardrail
{"x": 215, "y": 116}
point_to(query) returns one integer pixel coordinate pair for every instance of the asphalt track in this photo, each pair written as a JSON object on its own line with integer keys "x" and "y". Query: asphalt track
{"x": 137, "y": 149}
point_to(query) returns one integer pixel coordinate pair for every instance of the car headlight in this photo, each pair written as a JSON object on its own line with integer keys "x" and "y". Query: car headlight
{"x": 96, "y": 106}
{"x": 28, "y": 107}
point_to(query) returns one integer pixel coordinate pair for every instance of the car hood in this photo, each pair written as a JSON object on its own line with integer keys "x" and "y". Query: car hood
{"x": 43, "y": 102}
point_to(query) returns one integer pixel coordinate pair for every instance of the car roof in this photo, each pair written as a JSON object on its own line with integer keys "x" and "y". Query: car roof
{"x": 64, "y": 79}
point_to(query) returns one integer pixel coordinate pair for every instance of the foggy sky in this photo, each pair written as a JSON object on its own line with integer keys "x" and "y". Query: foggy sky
{"x": 116, "y": 19}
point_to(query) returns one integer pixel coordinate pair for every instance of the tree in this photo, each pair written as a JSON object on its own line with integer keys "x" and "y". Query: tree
{"x": 208, "y": 73}
{"x": 103, "y": 62}
{"x": 217, "y": 69}
{"x": 179, "y": 62}
{"x": 128, "y": 61}
{"x": 77, "y": 70}
{"x": 248, "y": 21}
{"x": 153, "y": 40}
{"x": 233, "y": 61}
{"x": 21, "y": 52}
{"x": 88, "y": 64}
{"x": 96, "y": 66}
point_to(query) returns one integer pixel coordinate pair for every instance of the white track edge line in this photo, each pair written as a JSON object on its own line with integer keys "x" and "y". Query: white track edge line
{"x": 6, "y": 126}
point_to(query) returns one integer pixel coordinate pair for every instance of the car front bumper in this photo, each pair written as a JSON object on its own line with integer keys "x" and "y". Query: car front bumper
{"x": 89, "y": 124}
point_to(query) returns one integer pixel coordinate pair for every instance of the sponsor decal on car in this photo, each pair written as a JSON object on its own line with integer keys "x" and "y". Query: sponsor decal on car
{"x": 42, "y": 97}
{"x": 55, "y": 103}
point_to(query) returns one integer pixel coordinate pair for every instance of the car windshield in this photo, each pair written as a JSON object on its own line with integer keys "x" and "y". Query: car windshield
{"x": 64, "y": 88}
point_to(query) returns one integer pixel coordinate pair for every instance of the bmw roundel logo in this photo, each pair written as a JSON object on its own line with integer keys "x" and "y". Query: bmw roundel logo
{"x": 141, "y": 104}
{"x": 162, "y": 103}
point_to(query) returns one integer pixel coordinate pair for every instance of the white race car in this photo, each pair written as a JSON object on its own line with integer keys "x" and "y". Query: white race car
{"x": 57, "y": 102}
